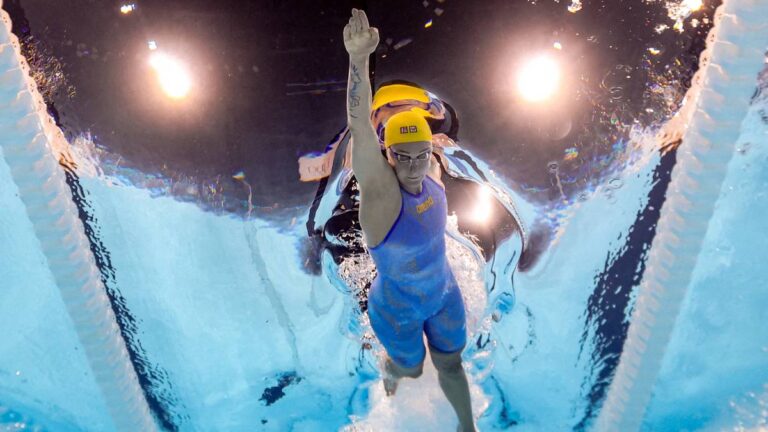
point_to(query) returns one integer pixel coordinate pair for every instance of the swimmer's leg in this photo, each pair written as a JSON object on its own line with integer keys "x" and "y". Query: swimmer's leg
{"x": 453, "y": 381}
{"x": 403, "y": 341}
{"x": 447, "y": 335}
{"x": 393, "y": 372}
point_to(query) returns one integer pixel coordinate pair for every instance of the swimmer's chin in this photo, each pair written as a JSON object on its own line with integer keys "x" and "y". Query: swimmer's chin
{"x": 413, "y": 181}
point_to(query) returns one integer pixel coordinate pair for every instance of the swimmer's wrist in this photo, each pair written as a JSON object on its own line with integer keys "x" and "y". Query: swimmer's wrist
{"x": 358, "y": 58}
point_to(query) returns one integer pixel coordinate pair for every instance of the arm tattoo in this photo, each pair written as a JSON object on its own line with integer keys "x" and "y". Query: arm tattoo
{"x": 354, "y": 99}
{"x": 356, "y": 74}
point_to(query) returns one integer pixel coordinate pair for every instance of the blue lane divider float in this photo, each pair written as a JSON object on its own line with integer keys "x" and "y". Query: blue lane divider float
{"x": 708, "y": 125}
{"x": 27, "y": 139}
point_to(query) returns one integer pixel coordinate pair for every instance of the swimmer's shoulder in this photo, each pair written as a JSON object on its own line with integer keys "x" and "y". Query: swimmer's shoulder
{"x": 435, "y": 172}
{"x": 379, "y": 209}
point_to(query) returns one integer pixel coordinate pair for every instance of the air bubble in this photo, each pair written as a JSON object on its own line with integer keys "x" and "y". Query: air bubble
{"x": 615, "y": 184}
{"x": 553, "y": 166}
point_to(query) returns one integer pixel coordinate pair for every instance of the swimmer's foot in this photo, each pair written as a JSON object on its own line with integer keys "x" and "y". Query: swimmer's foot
{"x": 390, "y": 380}
{"x": 390, "y": 385}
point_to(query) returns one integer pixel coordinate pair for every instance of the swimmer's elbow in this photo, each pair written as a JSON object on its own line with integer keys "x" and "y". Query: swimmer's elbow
{"x": 361, "y": 127}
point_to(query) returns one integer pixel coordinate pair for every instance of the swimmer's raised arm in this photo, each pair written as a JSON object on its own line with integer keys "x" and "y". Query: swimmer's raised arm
{"x": 360, "y": 40}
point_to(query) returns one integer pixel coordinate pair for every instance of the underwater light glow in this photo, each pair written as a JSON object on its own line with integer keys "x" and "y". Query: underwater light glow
{"x": 538, "y": 79}
{"x": 173, "y": 76}
{"x": 692, "y": 5}
{"x": 483, "y": 209}
{"x": 127, "y": 8}
{"x": 575, "y": 6}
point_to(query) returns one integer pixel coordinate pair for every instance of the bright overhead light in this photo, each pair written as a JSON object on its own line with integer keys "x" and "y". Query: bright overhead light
{"x": 173, "y": 76}
{"x": 692, "y": 5}
{"x": 483, "y": 208}
{"x": 127, "y": 8}
{"x": 538, "y": 79}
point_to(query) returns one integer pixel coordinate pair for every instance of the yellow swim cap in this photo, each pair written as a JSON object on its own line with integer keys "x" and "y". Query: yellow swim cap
{"x": 398, "y": 92}
{"x": 406, "y": 127}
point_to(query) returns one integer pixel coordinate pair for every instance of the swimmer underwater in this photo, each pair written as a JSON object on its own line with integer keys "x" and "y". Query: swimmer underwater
{"x": 403, "y": 217}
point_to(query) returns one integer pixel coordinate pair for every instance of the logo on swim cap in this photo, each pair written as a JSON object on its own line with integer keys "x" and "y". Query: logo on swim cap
{"x": 406, "y": 127}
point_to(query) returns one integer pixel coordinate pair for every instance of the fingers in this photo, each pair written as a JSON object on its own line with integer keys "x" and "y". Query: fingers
{"x": 358, "y": 21}
{"x": 355, "y": 20}
{"x": 363, "y": 20}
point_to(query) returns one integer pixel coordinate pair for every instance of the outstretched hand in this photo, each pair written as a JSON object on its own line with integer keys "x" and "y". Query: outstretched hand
{"x": 360, "y": 38}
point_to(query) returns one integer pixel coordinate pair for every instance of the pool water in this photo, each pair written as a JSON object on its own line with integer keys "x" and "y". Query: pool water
{"x": 228, "y": 332}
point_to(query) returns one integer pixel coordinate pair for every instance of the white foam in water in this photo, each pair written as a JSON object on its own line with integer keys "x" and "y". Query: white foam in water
{"x": 420, "y": 404}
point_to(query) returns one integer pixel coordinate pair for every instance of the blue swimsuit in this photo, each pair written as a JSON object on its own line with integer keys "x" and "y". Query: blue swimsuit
{"x": 414, "y": 291}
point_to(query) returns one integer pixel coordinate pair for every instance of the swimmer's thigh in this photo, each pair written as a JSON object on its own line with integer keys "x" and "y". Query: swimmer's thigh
{"x": 402, "y": 339}
{"x": 447, "y": 329}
